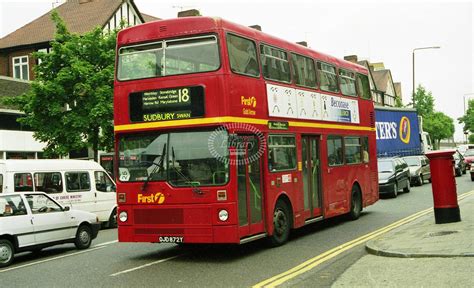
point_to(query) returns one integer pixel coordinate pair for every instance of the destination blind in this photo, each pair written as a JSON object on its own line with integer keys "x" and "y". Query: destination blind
{"x": 167, "y": 104}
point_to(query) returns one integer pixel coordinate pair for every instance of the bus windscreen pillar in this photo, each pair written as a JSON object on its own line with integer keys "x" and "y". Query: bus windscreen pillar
{"x": 446, "y": 208}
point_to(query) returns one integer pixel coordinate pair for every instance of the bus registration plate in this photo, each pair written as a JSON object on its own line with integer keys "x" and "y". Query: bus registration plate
{"x": 170, "y": 239}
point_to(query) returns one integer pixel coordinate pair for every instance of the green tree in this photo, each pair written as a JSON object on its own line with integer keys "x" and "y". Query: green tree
{"x": 424, "y": 101}
{"x": 398, "y": 102}
{"x": 468, "y": 119}
{"x": 439, "y": 126}
{"x": 70, "y": 103}
{"x": 471, "y": 139}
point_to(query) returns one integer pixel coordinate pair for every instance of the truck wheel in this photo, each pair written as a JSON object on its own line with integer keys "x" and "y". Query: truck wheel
{"x": 6, "y": 252}
{"x": 281, "y": 224}
{"x": 356, "y": 203}
{"x": 83, "y": 237}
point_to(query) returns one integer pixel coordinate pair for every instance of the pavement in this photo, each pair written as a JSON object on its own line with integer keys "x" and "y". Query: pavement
{"x": 423, "y": 238}
{"x": 419, "y": 254}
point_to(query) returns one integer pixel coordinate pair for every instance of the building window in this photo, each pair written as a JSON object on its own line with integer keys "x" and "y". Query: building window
{"x": 20, "y": 68}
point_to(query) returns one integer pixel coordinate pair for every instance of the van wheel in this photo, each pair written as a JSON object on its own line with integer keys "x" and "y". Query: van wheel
{"x": 356, "y": 203}
{"x": 6, "y": 252}
{"x": 113, "y": 219}
{"x": 83, "y": 237}
{"x": 281, "y": 224}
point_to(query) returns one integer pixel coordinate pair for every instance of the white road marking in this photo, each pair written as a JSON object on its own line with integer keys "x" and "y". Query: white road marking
{"x": 51, "y": 259}
{"x": 105, "y": 243}
{"x": 144, "y": 266}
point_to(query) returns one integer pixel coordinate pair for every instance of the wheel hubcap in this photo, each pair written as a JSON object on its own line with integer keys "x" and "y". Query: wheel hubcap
{"x": 280, "y": 222}
{"x": 84, "y": 236}
{"x": 5, "y": 253}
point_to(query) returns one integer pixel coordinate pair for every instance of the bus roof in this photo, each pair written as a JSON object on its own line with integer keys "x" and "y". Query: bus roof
{"x": 33, "y": 165}
{"x": 196, "y": 25}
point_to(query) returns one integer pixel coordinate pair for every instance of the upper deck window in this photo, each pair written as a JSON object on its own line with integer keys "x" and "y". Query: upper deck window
{"x": 327, "y": 77}
{"x": 242, "y": 55}
{"x": 363, "y": 86}
{"x": 303, "y": 71}
{"x": 275, "y": 64}
{"x": 169, "y": 57}
{"x": 347, "y": 80}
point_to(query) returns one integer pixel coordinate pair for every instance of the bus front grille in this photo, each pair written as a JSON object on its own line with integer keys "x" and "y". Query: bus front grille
{"x": 159, "y": 216}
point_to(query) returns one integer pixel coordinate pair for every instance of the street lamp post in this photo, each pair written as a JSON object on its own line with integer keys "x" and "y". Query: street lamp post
{"x": 413, "y": 58}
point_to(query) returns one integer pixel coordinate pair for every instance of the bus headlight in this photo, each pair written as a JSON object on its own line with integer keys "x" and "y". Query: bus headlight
{"x": 223, "y": 215}
{"x": 123, "y": 216}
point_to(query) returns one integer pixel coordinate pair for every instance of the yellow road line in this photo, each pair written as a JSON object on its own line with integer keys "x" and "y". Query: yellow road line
{"x": 315, "y": 261}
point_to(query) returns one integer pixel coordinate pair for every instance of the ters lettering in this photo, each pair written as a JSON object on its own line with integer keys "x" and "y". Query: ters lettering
{"x": 157, "y": 198}
{"x": 386, "y": 130}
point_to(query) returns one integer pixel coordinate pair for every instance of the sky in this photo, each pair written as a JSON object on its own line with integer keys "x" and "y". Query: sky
{"x": 378, "y": 31}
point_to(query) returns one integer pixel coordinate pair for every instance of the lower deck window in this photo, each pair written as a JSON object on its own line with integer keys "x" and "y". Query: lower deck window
{"x": 281, "y": 153}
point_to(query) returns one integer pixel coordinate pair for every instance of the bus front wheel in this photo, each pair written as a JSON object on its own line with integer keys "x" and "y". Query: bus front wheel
{"x": 281, "y": 224}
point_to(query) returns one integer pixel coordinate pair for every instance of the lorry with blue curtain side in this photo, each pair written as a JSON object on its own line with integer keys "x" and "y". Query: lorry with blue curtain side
{"x": 399, "y": 132}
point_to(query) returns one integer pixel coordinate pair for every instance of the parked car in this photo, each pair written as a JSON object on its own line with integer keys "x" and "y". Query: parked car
{"x": 393, "y": 176}
{"x": 472, "y": 172}
{"x": 419, "y": 167}
{"x": 464, "y": 147}
{"x": 31, "y": 221}
{"x": 459, "y": 164}
{"x": 469, "y": 158}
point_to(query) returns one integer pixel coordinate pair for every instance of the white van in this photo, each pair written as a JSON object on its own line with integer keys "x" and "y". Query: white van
{"x": 66, "y": 181}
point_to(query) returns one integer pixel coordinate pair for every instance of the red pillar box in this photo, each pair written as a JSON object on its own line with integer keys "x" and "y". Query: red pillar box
{"x": 446, "y": 208}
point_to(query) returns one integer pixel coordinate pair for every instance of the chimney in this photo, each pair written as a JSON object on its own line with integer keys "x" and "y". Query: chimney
{"x": 351, "y": 58}
{"x": 256, "y": 27}
{"x": 189, "y": 13}
{"x": 303, "y": 43}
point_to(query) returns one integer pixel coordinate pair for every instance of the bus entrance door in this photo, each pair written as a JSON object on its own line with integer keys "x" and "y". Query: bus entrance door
{"x": 311, "y": 176}
{"x": 249, "y": 174}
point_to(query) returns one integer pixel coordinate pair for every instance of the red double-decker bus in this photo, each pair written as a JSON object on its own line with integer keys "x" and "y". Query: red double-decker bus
{"x": 225, "y": 134}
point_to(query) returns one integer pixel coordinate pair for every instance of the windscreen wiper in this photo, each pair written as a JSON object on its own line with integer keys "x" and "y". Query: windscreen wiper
{"x": 158, "y": 168}
{"x": 193, "y": 184}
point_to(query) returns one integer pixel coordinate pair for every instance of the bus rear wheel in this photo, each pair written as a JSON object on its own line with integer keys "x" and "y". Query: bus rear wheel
{"x": 356, "y": 204}
{"x": 281, "y": 224}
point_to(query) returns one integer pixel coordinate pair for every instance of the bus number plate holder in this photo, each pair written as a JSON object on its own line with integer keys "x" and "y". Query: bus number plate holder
{"x": 170, "y": 239}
